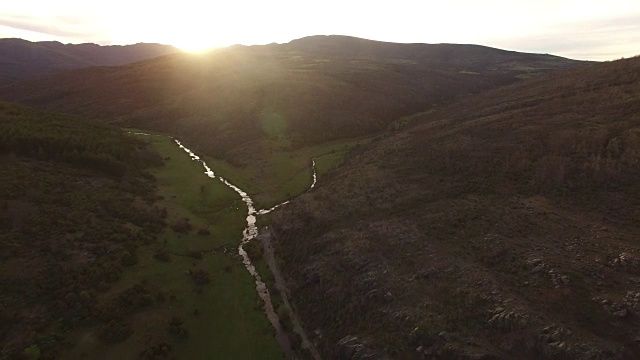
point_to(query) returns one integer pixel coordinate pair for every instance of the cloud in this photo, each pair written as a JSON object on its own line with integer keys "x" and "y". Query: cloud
{"x": 67, "y": 27}
{"x": 600, "y": 39}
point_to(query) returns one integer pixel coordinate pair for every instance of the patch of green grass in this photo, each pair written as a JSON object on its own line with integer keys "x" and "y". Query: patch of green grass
{"x": 281, "y": 174}
{"x": 223, "y": 318}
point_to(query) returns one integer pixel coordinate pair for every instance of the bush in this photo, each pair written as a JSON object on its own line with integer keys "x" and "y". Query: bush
{"x": 159, "y": 351}
{"x": 177, "y": 329}
{"x": 195, "y": 254}
{"x": 162, "y": 255}
{"x": 114, "y": 332}
{"x": 128, "y": 259}
{"x": 32, "y": 352}
{"x": 204, "y": 232}
{"x": 200, "y": 277}
{"x": 182, "y": 226}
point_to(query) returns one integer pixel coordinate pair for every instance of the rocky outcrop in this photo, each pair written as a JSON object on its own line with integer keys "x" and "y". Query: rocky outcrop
{"x": 352, "y": 348}
{"x": 625, "y": 260}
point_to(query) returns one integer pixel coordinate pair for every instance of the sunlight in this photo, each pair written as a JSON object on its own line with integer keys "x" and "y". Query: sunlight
{"x": 193, "y": 45}
{"x": 190, "y": 28}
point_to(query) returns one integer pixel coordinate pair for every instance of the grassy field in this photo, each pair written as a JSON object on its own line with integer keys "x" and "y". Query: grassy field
{"x": 223, "y": 317}
{"x": 282, "y": 174}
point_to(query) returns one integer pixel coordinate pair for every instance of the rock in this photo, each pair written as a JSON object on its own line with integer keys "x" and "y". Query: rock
{"x": 351, "y": 348}
{"x": 625, "y": 260}
{"x": 553, "y": 334}
{"x": 508, "y": 321}
{"x": 632, "y": 300}
{"x": 538, "y": 269}
{"x": 620, "y": 313}
{"x": 414, "y": 336}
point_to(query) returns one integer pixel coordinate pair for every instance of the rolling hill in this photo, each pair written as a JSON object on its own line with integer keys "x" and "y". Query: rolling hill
{"x": 503, "y": 226}
{"x": 494, "y": 215}
{"x": 472, "y": 57}
{"x": 241, "y": 100}
{"x": 21, "y": 59}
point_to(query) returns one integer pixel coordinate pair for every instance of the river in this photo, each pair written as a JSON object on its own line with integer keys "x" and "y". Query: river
{"x": 249, "y": 234}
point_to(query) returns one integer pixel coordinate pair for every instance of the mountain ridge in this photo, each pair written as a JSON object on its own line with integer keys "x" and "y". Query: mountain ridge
{"x": 22, "y": 59}
{"x": 225, "y": 98}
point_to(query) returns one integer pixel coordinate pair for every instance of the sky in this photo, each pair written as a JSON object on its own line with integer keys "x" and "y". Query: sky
{"x": 578, "y": 29}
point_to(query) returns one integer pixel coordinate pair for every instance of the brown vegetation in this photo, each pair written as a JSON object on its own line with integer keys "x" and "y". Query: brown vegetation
{"x": 505, "y": 225}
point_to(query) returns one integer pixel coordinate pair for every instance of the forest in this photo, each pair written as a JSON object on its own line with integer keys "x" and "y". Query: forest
{"x": 77, "y": 203}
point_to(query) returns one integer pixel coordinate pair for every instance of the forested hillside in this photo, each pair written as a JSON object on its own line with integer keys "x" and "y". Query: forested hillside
{"x": 76, "y": 204}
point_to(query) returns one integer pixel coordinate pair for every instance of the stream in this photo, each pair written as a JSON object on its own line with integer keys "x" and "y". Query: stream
{"x": 250, "y": 233}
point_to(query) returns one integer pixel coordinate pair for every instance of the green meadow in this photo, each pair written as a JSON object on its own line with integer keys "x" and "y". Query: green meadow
{"x": 280, "y": 174}
{"x": 216, "y": 315}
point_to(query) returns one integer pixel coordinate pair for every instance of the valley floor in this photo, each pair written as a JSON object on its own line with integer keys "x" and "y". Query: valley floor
{"x": 208, "y": 307}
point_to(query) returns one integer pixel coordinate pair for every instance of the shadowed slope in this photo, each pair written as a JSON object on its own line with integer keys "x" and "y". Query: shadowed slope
{"x": 22, "y": 59}
{"x": 303, "y": 92}
{"x": 505, "y": 225}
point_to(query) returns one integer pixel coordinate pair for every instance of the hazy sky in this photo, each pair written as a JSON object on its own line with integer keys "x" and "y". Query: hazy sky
{"x": 580, "y": 29}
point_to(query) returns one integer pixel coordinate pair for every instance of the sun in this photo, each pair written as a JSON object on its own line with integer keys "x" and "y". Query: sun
{"x": 193, "y": 45}
{"x": 194, "y": 26}
{"x": 191, "y": 40}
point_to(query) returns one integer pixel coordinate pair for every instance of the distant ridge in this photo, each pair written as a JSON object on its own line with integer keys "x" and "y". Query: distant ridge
{"x": 451, "y": 54}
{"x": 21, "y": 59}
{"x": 318, "y": 89}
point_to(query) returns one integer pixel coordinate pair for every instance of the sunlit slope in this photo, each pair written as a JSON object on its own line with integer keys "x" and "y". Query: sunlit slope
{"x": 505, "y": 225}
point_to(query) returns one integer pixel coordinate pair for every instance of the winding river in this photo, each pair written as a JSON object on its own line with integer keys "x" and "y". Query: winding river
{"x": 250, "y": 233}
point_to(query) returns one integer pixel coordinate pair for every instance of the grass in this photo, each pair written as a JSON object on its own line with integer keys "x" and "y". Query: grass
{"x": 224, "y": 318}
{"x": 283, "y": 174}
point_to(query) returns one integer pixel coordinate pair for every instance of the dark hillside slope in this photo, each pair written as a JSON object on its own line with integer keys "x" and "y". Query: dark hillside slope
{"x": 506, "y": 226}
{"x": 226, "y": 99}
{"x": 21, "y": 59}
{"x": 76, "y": 202}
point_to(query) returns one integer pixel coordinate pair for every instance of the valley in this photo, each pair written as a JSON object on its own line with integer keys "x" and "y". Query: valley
{"x": 389, "y": 201}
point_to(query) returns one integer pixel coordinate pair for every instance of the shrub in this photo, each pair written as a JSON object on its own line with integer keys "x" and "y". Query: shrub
{"x": 128, "y": 259}
{"x": 114, "y": 331}
{"x": 177, "y": 329}
{"x": 182, "y": 226}
{"x": 204, "y": 232}
{"x": 162, "y": 255}
{"x": 195, "y": 254}
{"x": 200, "y": 277}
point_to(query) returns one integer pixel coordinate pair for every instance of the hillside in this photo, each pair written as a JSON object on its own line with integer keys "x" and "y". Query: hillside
{"x": 242, "y": 104}
{"x": 504, "y": 226}
{"x": 77, "y": 203}
{"x": 21, "y": 59}
{"x": 471, "y": 57}
{"x": 89, "y": 266}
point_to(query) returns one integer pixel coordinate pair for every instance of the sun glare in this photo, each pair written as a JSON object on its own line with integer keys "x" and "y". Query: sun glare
{"x": 189, "y": 28}
{"x": 192, "y": 46}
{"x": 191, "y": 40}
